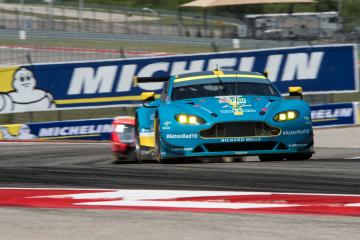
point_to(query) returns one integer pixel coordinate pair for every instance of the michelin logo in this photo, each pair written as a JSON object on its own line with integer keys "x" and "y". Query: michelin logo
{"x": 115, "y": 78}
{"x": 75, "y": 130}
{"x": 331, "y": 113}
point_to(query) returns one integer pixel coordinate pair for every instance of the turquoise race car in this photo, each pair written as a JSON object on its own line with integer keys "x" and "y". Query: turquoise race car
{"x": 222, "y": 113}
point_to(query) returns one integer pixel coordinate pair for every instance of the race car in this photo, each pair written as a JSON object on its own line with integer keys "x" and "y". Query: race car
{"x": 222, "y": 113}
{"x": 123, "y": 139}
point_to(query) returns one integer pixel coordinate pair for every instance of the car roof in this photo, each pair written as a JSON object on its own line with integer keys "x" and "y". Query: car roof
{"x": 225, "y": 75}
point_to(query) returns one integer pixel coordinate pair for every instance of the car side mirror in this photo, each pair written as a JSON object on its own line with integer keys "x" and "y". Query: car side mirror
{"x": 147, "y": 96}
{"x": 296, "y": 92}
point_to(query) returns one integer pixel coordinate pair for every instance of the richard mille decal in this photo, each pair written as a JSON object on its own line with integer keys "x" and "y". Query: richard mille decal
{"x": 241, "y": 139}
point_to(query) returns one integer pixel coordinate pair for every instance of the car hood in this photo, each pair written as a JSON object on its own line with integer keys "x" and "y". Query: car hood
{"x": 229, "y": 108}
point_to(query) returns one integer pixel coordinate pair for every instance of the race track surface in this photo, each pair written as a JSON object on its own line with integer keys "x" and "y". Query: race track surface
{"x": 89, "y": 166}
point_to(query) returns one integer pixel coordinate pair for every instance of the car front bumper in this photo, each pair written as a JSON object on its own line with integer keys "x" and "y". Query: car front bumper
{"x": 176, "y": 144}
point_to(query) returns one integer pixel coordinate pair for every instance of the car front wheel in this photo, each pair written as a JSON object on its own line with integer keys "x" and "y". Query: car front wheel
{"x": 157, "y": 149}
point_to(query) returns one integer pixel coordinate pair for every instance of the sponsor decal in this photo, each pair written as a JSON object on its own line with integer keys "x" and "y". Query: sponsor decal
{"x": 39, "y": 87}
{"x": 182, "y": 136}
{"x": 87, "y": 129}
{"x": 298, "y": 145}
{"x": 145, "y": 130}
{"x": 241, "y": 153}
{"x": 331, "y": 113}
{"x": 74, "y": 130}
{"x": 206, "y": 110}
{"x": 240, "y": 139}
{"x": 181, "y": 149}
{"x": 225, "y": 111}
{"x": 236, "y": 103}
{"x": 307, "y": 120}
{"x": 296, "y": 132}
{"x": 167, "y": 125}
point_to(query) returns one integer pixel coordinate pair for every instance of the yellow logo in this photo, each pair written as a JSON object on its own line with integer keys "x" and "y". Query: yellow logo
{"x": 235, "y": 102}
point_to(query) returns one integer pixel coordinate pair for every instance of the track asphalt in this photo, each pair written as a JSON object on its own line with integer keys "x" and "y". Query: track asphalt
{"x": 332, "y": 170}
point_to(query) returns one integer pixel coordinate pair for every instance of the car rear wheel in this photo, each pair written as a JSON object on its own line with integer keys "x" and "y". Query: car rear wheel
{"x": 299, "y": 156}
{"x": 125, "y": 157}
{"x": 271, "y": 157}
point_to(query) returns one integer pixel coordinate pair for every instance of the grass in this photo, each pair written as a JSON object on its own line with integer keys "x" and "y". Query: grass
{"x": 112, "y": 45}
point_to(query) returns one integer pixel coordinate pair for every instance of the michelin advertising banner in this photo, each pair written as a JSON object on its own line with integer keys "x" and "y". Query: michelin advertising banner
{"x": 100, "y": 129}
{"x": 334, "y": 114}
{"x": 87, "y": 129}
{"x": 42, "y": 87}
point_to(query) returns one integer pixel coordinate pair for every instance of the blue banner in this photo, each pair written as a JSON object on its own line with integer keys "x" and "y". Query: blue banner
{"x": 100, "y": 129}
{"x": 333, "y": 114}
{"x": 41, "y": 87}
{"x": 86, "y": 129}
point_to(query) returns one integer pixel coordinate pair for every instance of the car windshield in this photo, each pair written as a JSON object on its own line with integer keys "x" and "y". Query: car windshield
{"x": 125, "y": 132}
{"x": 222, "y": 89}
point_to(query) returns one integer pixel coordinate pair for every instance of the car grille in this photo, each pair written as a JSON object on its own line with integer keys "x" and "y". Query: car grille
{"x": 240, "y": 129}
{"x": 248, "y": 146}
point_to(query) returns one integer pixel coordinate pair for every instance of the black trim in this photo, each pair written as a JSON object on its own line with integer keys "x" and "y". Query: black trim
{"x": 242, "y": 146}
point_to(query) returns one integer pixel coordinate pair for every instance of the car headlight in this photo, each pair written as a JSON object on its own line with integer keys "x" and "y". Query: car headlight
{"x": 189, "y": 119}
{"x": 286, "y": 116}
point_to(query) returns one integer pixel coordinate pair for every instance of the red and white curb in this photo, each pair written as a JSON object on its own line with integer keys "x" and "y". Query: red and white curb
{"x": 176, "y": 200}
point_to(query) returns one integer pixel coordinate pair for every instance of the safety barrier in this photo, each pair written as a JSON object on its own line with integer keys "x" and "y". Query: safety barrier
{"x": 325, "y": 115}
{"x": 335, "y": 114}
{"x": 98, "y": 84}
{"x": 85, "y": 130}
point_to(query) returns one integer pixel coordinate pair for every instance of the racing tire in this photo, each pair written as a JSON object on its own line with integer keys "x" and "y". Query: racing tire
{"x": 157, "y": 148}
{"x": 271, "y": 157}
{"x": 116, "y": 159}
{"x": 119, "y": 159}
{"x": 128, "y": 157}
{"x": 299, "y": 157}
{"x": 138, "y": 148}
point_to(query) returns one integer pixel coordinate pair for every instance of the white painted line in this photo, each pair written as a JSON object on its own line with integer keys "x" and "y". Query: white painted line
{"x": 134, "y": 193}
{"x": 352, "y": 158}
{"x": 352, "y": 205}
{"x": 187, "y": 204}
{"x": 154, "y": 194}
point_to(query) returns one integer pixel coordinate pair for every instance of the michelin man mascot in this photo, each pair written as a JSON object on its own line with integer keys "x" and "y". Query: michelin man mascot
{"x": 25, "y": 96}
{"x": 6, "y": 104}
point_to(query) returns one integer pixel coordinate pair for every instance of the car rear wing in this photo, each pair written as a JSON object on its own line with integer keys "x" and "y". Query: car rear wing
{"x": 137, "y": 80}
